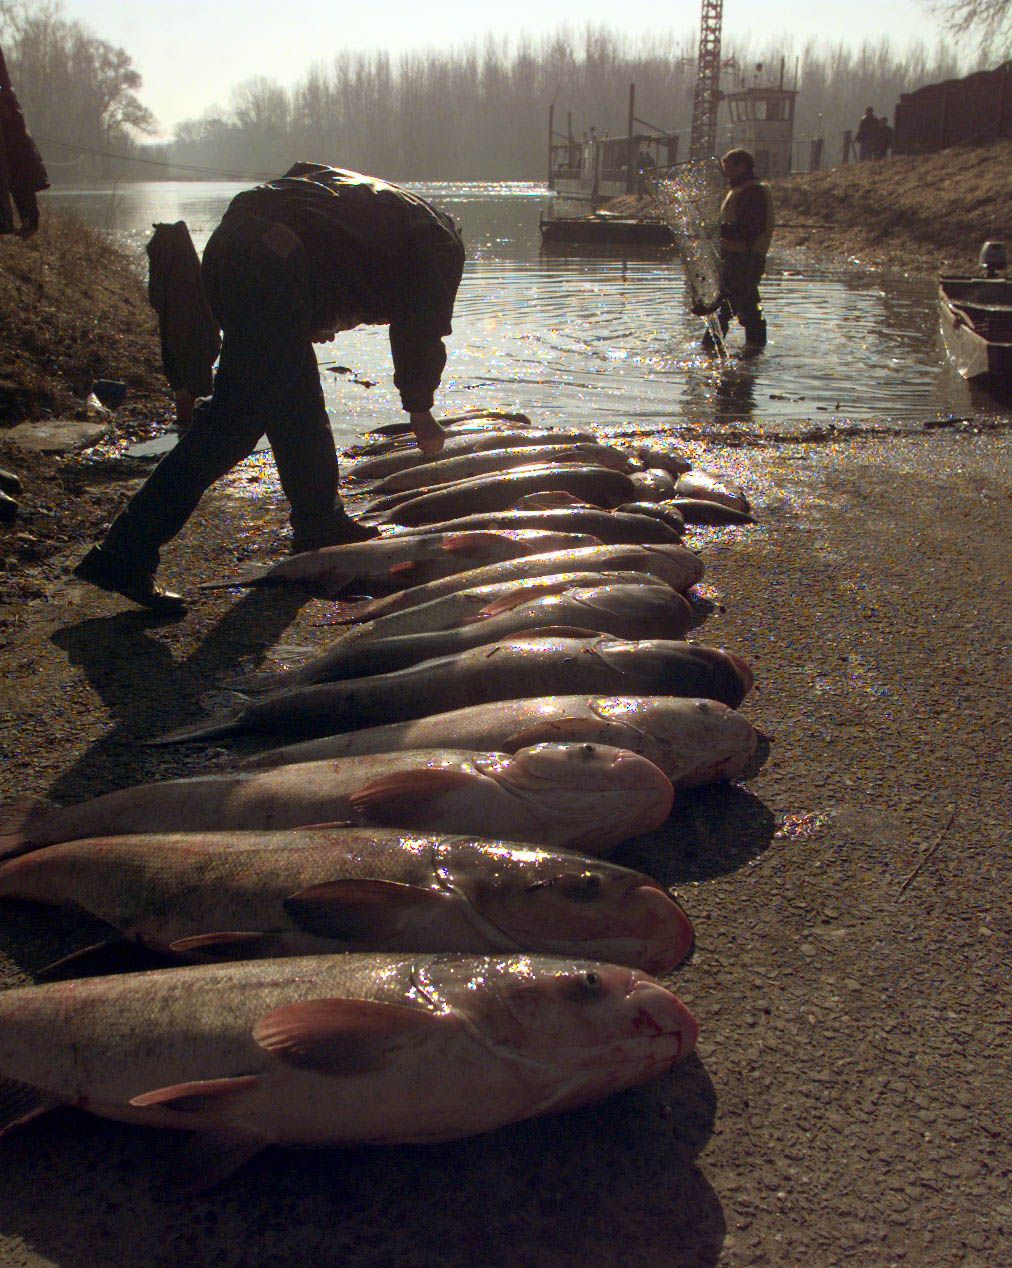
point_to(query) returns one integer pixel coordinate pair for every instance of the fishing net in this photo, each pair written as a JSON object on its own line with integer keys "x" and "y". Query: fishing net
{"x": 688, "y": 198}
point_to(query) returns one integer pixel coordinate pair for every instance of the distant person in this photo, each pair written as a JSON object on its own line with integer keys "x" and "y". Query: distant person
{"x": 644, "y": 166}
{"x": 747, "y": 220}
{"x": 866, "y": 136}
{"x": 293, "y": 262}
{"x": 883, "y": 139}
{"x": 22, "y": 172}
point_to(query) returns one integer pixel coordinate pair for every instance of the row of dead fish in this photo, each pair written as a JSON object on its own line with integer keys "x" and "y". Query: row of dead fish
{"x": 517, "y": 689}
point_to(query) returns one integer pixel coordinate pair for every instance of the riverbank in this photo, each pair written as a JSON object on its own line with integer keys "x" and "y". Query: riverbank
{"x": 925, "y": 214}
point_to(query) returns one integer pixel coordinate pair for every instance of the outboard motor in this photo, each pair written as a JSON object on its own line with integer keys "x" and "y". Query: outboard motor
{"x": 993, "y": 258}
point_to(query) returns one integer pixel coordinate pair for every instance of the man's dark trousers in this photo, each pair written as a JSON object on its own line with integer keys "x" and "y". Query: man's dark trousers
{"x": 740, "y": 273}
{"x": 267, "y": 383}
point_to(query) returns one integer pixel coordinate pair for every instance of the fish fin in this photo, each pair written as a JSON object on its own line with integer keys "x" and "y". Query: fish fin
{"x": 467, "y": 544}
{"x": 228, "y": 724}
{"x": 391, "y": 798}
{"x": 236, "y": 940}
{"x": 358, "y": 910}
{"x": 78, "y": 959}
{"x": 248, "y": 577}
{"x": 207, "y": 1159}
{"x": 341, "y": 1036}
{"x": 20, "y": 1103}
{"x": 549, "y": 631}
{"x": 515, "y": 598}
{"x": 554, "y": 730}
{"x": 16, "y": 816}
{"x": 404, "y": 569}
{"x": 201, "y": 1094}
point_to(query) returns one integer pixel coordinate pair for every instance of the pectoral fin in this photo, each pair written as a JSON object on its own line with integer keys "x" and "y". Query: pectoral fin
{"x": 203, "y": 1094}
{"x": 523, "y": 594}
{"x": 247, "y": 942}
{"x": 342, "y": 1036}
{"x": 360, "y": 910}
{"x": 554, "y": 631}
{"x": 398, "y": 797}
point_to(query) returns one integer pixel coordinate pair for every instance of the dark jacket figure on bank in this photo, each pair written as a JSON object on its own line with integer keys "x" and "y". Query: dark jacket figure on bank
{"x": 883, "y": 139}
{"x": 22, "y": 173}
{"x": 746, "y": 229}
{"x": 866, "y": 136}
{"x": 292, "y": 263}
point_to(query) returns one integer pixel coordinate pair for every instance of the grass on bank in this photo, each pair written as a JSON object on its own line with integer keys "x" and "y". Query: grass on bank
{"x": 73, "y": 308}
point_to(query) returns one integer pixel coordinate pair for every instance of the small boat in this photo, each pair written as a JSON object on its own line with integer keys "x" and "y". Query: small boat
{"x": 603, "y": 229}
{"x": 975, "y": 315}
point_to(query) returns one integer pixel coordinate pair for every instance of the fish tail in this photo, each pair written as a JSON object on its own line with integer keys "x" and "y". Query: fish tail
{"x": 20, "y": 1103}
{"x": 248, "y": 577}
{"x": 228, "y": 725}
{"x": 16, "y": 816}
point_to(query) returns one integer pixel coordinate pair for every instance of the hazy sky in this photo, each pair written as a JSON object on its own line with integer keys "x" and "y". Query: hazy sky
{"x": 191, "y": 52}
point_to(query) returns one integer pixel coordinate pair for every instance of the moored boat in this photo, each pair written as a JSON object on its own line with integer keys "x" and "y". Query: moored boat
{"x": 975, "y": 315}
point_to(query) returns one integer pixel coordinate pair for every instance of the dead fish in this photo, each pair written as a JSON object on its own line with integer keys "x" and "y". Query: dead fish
{"x": 321, "y": 890}
{"x": 713, "y": 488}
{"x": 609, "y": 527}
{"x": 597, "y": 485}
{"x": 667, "y": 512}
{"x": 652, "y": 485}
{"x": 408, "y": 457}
{"x": 465, "y": 467}
{"x": 703, "y": 511}
{"x": 675, "y": 565}
{"x": 664, "y": 460}
{"x": 324, "y": 1050}
{"x": 508, "y": 670}
{"x": 693, "y": 741}
{"x": 583, "y": 796}
{"x": 461, "y": 606}
{"x": 624, "y": 611}
{"x": 398, "y": 562}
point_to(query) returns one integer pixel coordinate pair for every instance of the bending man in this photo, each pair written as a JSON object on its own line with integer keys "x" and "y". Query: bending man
{"x": 292, "y": 263}
{"x": 746, "y": 229}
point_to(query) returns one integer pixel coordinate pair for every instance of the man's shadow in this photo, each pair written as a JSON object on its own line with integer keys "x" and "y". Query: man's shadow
{"x": 148, "y": 692}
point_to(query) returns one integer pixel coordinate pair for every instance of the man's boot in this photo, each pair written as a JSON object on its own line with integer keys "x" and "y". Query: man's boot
{"x": 755, "y": 339}
{"x": 110, "y": 572}
{"x": 342, "y": 531}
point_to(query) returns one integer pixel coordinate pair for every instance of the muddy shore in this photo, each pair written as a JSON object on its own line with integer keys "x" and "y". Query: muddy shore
{"x": 848, "y": 1101}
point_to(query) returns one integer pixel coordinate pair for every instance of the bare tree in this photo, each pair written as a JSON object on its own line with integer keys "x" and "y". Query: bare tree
{"x": 989, "y": 21}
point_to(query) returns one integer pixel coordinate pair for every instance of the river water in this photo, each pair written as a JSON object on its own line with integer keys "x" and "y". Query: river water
{"x": 608, "y": 339}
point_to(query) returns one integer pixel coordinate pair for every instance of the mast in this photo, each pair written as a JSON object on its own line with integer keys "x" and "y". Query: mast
{"x": 706, "y": 97}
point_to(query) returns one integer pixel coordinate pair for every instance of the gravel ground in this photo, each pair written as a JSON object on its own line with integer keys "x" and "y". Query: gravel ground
{"x": 848, "y": 1101}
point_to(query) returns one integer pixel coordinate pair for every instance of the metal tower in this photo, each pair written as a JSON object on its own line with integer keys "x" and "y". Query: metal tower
{"x": 706, "y": 97}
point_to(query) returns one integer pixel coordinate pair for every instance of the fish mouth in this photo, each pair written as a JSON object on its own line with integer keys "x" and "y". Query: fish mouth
{"x": 661, "y": 921}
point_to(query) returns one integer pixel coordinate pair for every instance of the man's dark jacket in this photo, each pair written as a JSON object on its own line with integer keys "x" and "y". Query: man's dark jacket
{"x": 22, "y": 173}
{"x": 376, "y": 254}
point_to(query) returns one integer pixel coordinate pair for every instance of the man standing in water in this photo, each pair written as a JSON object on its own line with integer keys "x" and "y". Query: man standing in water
{"x": 292, "y": 263}
{"x": 746, "y": 229}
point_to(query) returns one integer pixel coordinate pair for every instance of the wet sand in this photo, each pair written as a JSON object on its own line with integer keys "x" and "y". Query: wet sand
{"x": 848, "y": 1102}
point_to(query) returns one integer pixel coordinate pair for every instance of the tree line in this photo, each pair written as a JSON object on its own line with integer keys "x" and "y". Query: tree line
{"x": 475, "y": 112}
{"x": 480, "y": 112}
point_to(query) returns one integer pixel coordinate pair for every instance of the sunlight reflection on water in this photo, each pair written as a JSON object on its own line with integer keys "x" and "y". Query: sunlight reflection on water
{"x": 608, "y": 340}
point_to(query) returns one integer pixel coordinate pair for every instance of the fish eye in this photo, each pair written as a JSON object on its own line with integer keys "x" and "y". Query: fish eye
{"x": 584, "y": 987}
{"x": 582, "y": 887}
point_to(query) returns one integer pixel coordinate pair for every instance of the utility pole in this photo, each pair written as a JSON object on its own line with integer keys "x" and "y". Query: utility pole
{"x": 707, "y": 95}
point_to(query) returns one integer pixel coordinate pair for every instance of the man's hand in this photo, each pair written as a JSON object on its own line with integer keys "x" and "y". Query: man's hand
{"x": 430, "y": 436}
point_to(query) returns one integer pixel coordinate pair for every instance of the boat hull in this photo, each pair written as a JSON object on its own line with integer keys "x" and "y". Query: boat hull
{"x": 975, "y": 318}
